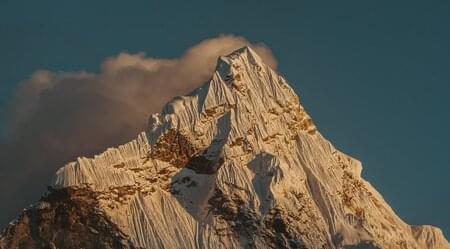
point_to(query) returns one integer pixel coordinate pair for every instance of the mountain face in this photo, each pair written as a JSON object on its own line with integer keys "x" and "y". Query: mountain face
{"x": 236, "y": 164}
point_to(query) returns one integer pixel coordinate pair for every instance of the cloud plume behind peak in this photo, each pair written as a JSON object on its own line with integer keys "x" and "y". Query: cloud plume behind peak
{"x": 57, "y": 116}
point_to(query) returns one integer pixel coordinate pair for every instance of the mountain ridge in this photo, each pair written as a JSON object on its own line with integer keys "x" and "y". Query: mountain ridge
{"x": 236, "y": 164}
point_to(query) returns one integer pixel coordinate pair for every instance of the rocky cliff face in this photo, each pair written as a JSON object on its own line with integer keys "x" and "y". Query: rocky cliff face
{"x": 64, "y": 218}
{"x": 236, "y": 164}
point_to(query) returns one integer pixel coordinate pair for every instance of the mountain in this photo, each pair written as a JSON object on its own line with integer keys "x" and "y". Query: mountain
{"x": 238, "y": 163}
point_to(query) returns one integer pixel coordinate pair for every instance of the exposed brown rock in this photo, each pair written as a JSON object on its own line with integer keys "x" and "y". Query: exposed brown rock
{"x": 174, "y": 148}
{"x": 64, "y": 218}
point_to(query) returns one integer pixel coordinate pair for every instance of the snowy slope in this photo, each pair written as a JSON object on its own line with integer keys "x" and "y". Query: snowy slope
{"x": 238, "y": 164}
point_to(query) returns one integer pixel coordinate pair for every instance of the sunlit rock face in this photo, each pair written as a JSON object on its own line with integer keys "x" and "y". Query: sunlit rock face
{"x": 236, "y": 164}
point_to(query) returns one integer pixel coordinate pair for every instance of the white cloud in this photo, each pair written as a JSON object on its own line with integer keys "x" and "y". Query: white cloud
{"x": 56, "y": 116}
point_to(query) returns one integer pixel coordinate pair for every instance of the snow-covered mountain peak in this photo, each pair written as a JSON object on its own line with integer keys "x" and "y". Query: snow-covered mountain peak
{"x": 244, "y": 54}
{"x": 236, "y": 164}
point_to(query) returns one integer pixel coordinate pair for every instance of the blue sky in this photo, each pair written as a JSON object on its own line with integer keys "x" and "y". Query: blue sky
{"x": 374, "y": 75}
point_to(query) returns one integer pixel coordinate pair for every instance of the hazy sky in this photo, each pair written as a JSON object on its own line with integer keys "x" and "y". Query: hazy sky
{"x": 374, "y": 75}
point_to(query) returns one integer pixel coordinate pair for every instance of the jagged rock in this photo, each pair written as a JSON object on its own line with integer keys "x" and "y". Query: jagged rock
{"x": 64, "y": 218}
{"x": 236, "y": 164}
